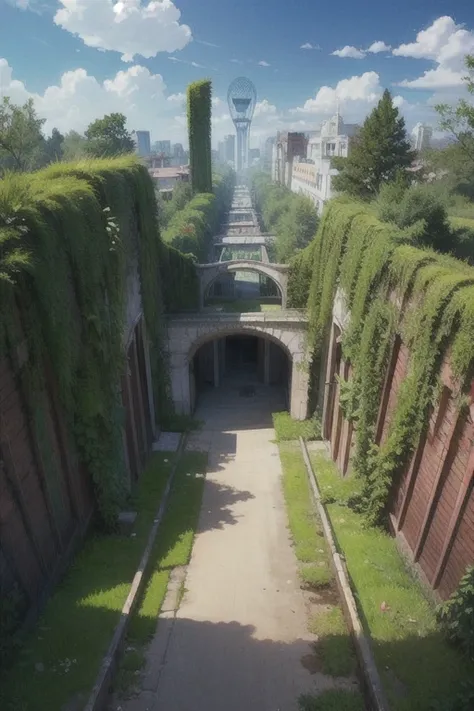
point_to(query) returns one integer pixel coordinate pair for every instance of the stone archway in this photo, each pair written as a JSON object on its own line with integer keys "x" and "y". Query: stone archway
{"x": 188, "y": 333}
{"x": 278, "y": 273}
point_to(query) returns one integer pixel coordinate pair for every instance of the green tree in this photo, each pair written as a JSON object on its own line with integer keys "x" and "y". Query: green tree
{"x": 296, "y": 227}
{"x": 53, "y": 150}
{"x": 74, "y": 146}
{"x": 379, "y": 153}
{"x": 199, "y": 129}
{"x": 21, "y": 139}
{"x": 109, "y": 136}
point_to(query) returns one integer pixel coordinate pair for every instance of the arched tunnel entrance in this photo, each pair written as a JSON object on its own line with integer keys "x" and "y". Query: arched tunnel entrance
{"x": 239, "y": 366}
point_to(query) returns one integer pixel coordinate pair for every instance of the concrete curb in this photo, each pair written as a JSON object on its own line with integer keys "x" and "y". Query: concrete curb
{"x": 372, "y": 681}
{"x": 100, "y": 690}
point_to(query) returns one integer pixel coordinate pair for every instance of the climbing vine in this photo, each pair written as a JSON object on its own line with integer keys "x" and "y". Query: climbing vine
{"x": 199, "y": 95}
{"x": 389, "y": 287}
{"x": 69, "y": 236}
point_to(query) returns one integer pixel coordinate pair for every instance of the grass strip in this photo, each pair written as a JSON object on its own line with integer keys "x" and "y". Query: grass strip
{"x": 287, "y": 429}
{"x": 334, "y": 647}
{"x": 58, "y": 661}
{"x": 419, "y": 669}
{"x": 172, "y": 548}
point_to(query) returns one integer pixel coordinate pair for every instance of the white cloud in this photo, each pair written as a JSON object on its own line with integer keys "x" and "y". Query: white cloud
{"x": 186, "y": 61}
{"x": 236, "y": 61}
{"x": 20, "y": 4}
{"x": 308, "y": 45}
{"x": 264, "y": 108}
{"x": 126, "y": 26}
{"x": 348, "y": 51}
{"x": 356, "y": 94}
{"x": 378, "y": 46}
{"x": 263, "y": 63}
{"x": 444, "y": 43}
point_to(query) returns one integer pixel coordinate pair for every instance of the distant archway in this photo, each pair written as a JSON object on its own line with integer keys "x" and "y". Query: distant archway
{"x": 278, "y": 273}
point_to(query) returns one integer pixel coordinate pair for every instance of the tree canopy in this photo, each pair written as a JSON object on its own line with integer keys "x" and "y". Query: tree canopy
{"x": 21, "y": 138}
{"x": 379, "y": 153}
{"x": 109, "y": 136}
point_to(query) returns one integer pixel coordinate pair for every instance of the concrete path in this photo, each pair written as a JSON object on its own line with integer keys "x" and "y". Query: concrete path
{"x": 239, "y": 641}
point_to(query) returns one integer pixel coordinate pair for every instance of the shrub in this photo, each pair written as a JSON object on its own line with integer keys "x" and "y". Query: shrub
{"x": 457, "y": 614}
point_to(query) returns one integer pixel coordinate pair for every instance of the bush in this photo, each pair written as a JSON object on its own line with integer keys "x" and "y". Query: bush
{"x": 457, "y": 614}
{"x": 420, "y": 211}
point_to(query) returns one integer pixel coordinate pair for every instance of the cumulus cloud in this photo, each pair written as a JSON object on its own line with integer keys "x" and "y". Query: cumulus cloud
{"x": 125, "y": 26}
{"x": 263, "y": 63}
{"x": 308, "y": 45}
{"x": 356, "y": 94}
{"x": 378, "y": 46}
{"x": 445, "y": 43}
{"x": 349, "y": 51}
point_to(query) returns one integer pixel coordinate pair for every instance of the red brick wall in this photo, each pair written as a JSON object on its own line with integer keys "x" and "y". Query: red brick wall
{"x": 433, "y": 504}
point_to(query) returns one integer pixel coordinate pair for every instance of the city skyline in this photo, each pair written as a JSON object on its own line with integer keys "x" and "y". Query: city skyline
{"x": 77, "y": 66}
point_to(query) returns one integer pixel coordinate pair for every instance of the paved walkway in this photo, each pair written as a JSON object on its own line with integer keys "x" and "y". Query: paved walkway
{"x": 239, "y": 640}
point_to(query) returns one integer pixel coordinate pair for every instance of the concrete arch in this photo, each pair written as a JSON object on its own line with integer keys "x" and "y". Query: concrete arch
{"x": 187, "y": 334}
{"x": 278, "y": 273}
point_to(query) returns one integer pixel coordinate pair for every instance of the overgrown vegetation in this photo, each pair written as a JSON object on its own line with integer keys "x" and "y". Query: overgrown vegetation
{"x": 419, "y": 669}
{"x": 332, "y": 700}
{"x": 61, "y": 657}
{"x": 288, "y": 429}
{"x": 291, "y": 217}
{"x": 75, "y": 221}
{"x": 456, "y": 615}
{"x": 333, "y": 648}
{"x": 191, "y": 229}
{"x": 199, "y": 95}
{"x": 375, "y": 265}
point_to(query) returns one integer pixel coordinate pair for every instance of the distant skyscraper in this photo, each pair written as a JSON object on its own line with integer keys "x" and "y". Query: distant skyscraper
{"x": 142, "y": 140}
{"x": 178, "y": 150}
{"x": 162, "y": 147}
{"x": 229, "y": 148}
{"x": 221, "y": 151}
{"x": 422, "y": 135}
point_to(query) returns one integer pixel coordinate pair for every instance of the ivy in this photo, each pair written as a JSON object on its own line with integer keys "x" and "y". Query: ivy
{"x": 390, "y": 288}
{"x": 199, "y": 96}
{"x": 456, "y": 615}
{"x": 76, "y": 231}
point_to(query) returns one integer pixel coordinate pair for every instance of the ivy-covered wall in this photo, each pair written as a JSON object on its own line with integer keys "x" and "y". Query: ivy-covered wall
{"x": 390, "y": 288}
{"x": 192, "y": 229}
{"x": 199, "y": 96}
{"x": 68, "y": 235}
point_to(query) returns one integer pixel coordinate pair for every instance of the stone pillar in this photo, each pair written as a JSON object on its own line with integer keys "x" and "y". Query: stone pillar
{"x": 180, "y": 390}
{"x": 215, "y": 345}
{"x": 266, "y": 361}
{"x": 299, "y": 388}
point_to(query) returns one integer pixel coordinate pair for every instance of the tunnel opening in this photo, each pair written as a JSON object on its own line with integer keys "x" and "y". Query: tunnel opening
{"x": 240, "y": 366}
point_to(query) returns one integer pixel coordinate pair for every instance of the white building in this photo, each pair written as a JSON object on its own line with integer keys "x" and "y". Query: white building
{"x": 421, "y": 136}
{"x": 313, "y": 177}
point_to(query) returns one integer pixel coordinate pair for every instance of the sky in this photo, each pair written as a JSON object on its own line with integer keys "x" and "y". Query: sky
{"x": 81, "y": 59}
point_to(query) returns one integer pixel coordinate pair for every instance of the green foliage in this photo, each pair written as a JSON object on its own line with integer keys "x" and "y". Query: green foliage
{"x": 420, "y": 209}
{"x": 199, "y": 129}
{"x": 191, "y": 229}
{"x": 459, "y": 120}
{"x": 287, "y": 428}
{"x": 292, "y": 217}
{"x": 182, "y": 194}
{"x": 299, "y": 277}
{"x": 332, "y": 700}
{"x": 74, "y": 146}
{"x": 180, "y": 281}
{"x": 375, "y": 267}
{"x": 456, "y": 615}
{"x": 82, "y": 223}
{"x": 53, "y": 147}
{"x": 108, "y": 137}
{"x": 379, "y": 153}
{"x": 21, "y": 139}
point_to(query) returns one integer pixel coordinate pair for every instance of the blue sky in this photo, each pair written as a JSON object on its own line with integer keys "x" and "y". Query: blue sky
{"x": 79, "y": 59}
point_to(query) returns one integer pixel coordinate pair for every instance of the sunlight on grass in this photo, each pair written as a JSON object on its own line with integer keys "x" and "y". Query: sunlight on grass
{"x": 61, "y": 656}
{"x": 417, "y": 665}
{"x": 334, "y": 645}
{"x": 287, "y": 429}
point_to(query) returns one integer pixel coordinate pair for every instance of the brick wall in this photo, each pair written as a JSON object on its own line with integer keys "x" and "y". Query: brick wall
{"x": 432, "y": 508}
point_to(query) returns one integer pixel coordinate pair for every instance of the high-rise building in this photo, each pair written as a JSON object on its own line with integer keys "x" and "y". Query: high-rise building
{"x": 268, "y": 153}
{"x": 229, "y": 148}
{"x": 162, "y": 147}
{"x": 142, "y": 142}
{"x": 421, "y": 136}
{"x": 221, "y": 151}
{"x": 177, "y": 150}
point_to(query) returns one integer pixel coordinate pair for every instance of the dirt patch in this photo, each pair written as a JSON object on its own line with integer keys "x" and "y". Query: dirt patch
{"x": 312, "y": 663}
